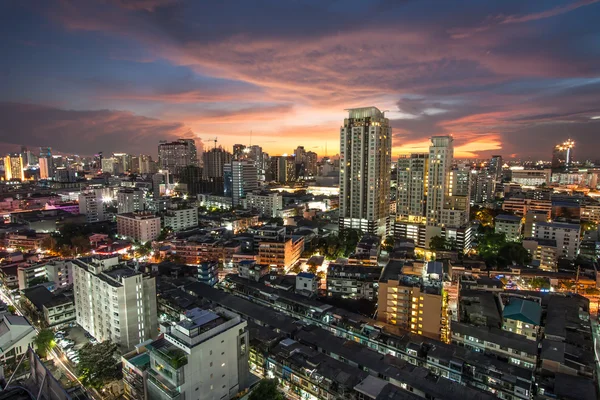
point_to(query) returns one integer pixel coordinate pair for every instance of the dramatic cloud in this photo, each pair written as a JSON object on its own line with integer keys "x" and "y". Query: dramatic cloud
{"x": 84, "y": 132}
{"x": 493, "y": 74}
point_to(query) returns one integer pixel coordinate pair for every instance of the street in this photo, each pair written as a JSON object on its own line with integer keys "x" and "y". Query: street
{"x": 66, "y": 369}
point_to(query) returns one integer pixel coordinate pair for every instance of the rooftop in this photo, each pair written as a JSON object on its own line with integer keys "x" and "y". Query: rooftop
{"x": 508, "y": 218}
{"x": 526, "y": 311}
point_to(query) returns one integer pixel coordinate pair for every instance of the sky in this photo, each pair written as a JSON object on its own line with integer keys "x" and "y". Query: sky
{"x": 503, "y": 77}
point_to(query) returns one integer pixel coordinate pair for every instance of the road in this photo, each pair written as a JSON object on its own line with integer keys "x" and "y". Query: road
{"x": 67, "y": 370}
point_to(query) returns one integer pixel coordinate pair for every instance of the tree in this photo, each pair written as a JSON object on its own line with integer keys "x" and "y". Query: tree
{"x": 81, "y": 244}
{"x": 266, "y": 390}
{"x": 513, "y": 253}
{"x": 539, "y": 283}
{"x": 44, "y": 342}
{"x": 164, "y": 233}
{"x": 489, "y": 246}
{"x": 97, "y": 364}
{"x": 312, "y": 269}
{"x": 485, "y": 216}
{"x": 437, "y": 243}
{"x": 388, "y": 244}
{"x": 49, "y": 243}
{"x": 11, "y": 309}
{"x": 66, "y": 251}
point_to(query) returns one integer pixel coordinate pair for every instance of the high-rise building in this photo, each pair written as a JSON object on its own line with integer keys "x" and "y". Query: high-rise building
{"x": 125, "y": 161}
{"x": 178, "y": 154}
{"x": 13, "y": 167}
{"x": 114, "y": 302}
{"x": 257, "y": 157}
{"x": 562, "y": 155}
{"x": 239, "y": 152}
{"x": 483, "y": 186}
{"x": 64, "y": 175}
{"x": 311, "y": 164}
{"x": 45, "y": 164}
{"x": 457, "y": 198}
{"x": 567, "y": 236}
{"x": 130, "y": 200}
{"x": 146, "y": 164}
{"x": 365, "y": 164}
{"x": 441, "y": 154}
{"x": 495, "y": 167}
{"x": 181, "y": 218}
{"x": 240, "y": 179}
{"x": 91, "y": 204}
{"x": 300, "y": 155}
{"x": 214, "y": 159}
{"x": 204, "y": 356}
{"x": 412, "y": 174}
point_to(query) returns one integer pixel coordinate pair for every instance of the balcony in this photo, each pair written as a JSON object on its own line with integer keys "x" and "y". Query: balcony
{"x": 163, "y": 385}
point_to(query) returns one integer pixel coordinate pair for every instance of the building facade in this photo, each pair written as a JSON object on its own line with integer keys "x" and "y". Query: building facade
{"x": 140, "y": 227}
{"x": 181, "y": 219}
{"x": 114, "y": 302}
{"x": 365, "y": 163}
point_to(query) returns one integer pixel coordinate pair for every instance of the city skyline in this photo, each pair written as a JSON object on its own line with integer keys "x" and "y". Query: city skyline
{"x": 511, "y": 79}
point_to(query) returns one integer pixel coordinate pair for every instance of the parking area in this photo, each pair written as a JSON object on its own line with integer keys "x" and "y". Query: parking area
{"x": 70, "y": 340}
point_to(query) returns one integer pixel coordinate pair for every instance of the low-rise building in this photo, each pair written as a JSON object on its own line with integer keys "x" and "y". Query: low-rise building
{"x": 249, "y": 269}
{"x": 141, "y": 227}
{"x": 307, "y": 283}
{"x": 544, "y": 252}
{"x": 413, "y": 302}
{"x": 181, "y": 219}
{"x": 28, "y": 241}
{"x": 510, "y": 226}
{"x": 16, "y": 336}
{"x": 208, "y": 272}
{"x": 567, "y": 236}
{"x": 352, "y": 281}
{"x": 281, "y": 254}
{"x": 522, "y": 317}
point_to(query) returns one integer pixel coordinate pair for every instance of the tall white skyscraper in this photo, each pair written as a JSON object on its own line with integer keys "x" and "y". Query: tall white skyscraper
{"x": 178, "y": 154}
{"x": 441, "y": 153}
{"x": 365, "y": 163}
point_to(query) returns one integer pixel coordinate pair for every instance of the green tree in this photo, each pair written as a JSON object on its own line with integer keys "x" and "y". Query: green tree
{"x": 266, "y": 390}
{"x": 44, "y": 342}
{"x": 539, "y": 283}
{"x": 97, "y": 364}
{"x": 11, "y": 309}
{"x": 513, "y": 253}
{"x": 66, "y": 251}
{"x": 489, "y": 246}
{"x": 437, "y": 243}
{"x": 312, "y": 269}
{"x": 485, "y": 216}
{"x": 388, "y": 244}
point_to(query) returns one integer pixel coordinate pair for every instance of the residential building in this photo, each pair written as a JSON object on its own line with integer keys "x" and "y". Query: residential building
{"x": 544, "y": 252}
{"x": 567, "y": 236}
{"x": 208, "y": 272}
{"x": 240, "y": 179}
{"x": 441, "y": 154}
{"x": 267, "y": 204}
{"x": 412, "y": 302}
{"x": 45, "y": 164}
{"x": 27, "y": 241}
{"x": 497, "y": 342}
{"x": 198, "y": 249}
{"x": 307, "y": 283}
{"x": 510, "y": 226}
{"x": 146, "y": 164}
{"x": 249, "y": 269}
{"x": 521, "y": 206}
{"x": 590, "y": 212}
{"x": 57, "y": 310}
{"x": 16, "y": 336}
{"x": 352, "y": 281}
{"x": 31, "y": 275}
{"x": 282, "y": 253}
{"x": 14, "y": 169}
{"x": 531, "y": 177}
{"x": 114, "y": 302}
{"x": 135, "y": 365}
{"x": 495, "y": 167}
{"x": 412, "y": 184}
{"x": 483, "y": 186}
{"x": 130, "y": 200}
{"x": 203, "y": 356}
{"x": 91, "y": 204}
{"x": 141, "y": 227}
{"x": 214, "y": 161}
{"x": 181, "y": 219}
{"x": 175, "y": 155}
{"x": 59, "y": 272}
{"x": 531, "y": 218}
{"x": 365, "y": 164}
{"x": 522, "y": 317}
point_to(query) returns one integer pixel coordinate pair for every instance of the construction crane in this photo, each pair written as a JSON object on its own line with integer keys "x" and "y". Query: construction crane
{"x": 213, "y": 140}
